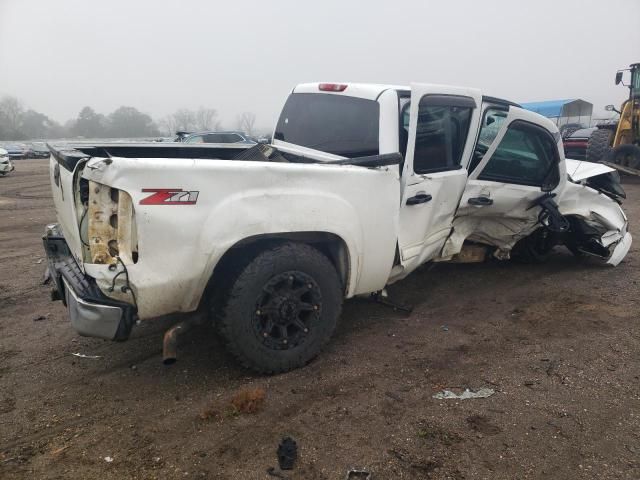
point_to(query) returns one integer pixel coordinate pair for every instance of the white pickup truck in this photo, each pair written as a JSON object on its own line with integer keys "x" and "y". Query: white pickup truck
{"x": 360, "y": 186}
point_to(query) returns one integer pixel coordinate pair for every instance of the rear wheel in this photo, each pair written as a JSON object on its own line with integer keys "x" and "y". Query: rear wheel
{"x": 599, "y": 145}
{"x": 281, "y": 309}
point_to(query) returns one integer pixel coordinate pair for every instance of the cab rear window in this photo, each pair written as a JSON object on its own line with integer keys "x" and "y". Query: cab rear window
{"x": 336, "y": 124}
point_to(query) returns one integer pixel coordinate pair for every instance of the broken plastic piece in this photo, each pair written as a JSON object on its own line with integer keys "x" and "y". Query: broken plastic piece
{"x": 358, "y": 474}
{"x": 448, "y": 394}
{"x": 382, "y": 298}
{"x": 81, "y": 355}
{"x": 287, "y": 453}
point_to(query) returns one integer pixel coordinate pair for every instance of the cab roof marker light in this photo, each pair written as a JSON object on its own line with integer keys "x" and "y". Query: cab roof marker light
{"x": 332, "y": 87}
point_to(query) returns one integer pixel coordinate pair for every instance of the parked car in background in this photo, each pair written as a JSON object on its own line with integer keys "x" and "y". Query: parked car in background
{"x": 15, "y": 151}
{"x": 567, "y": 129}
{"x": 27, "y": 151}
{"x": 180, "y": 136}
{"x": 6, "y": 165}
{"x": 220, "y": 137}
{"x": 39, "y": 150}
{"x": 575, "y": 145}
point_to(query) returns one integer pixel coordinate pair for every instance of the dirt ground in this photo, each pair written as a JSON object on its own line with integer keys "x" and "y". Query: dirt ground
{"x": 559, "y": 342}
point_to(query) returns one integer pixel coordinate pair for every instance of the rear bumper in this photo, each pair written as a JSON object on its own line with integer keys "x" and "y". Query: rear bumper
{"x": 92, "y": 314}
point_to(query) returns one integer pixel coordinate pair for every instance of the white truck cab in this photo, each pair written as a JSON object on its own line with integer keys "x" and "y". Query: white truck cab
{"x": 360, "y": 186}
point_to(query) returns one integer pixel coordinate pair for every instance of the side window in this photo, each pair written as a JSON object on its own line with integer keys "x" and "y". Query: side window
{"x": 527, "y": 155}
{"x": 235, "y": 138}
{"x": 492, "y": 121}
{"x": 195, "y": 139}
{"x": 443, "y": 126}
{"x": 213, "y": 138}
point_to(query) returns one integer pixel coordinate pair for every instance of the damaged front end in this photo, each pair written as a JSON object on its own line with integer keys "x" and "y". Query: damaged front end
{"x": 591, "y": 204}
{"x": 585, "y": 216}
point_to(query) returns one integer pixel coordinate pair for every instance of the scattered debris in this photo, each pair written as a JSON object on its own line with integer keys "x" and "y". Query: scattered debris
{"x": 287, "y": 453}
{"x": 382, "y": 298}
{"x": 480, "y": 393}
{"x": 108, "y": 459}
{"x": 39, "y": 318}
{"x": 358, "y": 473}
{"x": 248, "y": 400}
{"x": 81, "y": 355}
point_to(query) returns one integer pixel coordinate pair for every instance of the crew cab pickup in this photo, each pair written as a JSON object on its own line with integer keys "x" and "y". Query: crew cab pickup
{"x": 360, "y": 185}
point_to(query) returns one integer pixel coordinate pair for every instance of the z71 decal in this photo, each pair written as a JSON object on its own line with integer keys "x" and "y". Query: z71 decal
{"x": 169, "y": 196}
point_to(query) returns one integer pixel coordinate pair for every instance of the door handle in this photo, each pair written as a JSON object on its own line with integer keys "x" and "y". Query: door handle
{"x": 480, "y": 201}
{"x": 419, "y": 198}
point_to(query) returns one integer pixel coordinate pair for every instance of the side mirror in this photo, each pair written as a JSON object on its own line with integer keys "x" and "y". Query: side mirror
{"x": 618, "y": 78}
{"x": 609, "y": 108}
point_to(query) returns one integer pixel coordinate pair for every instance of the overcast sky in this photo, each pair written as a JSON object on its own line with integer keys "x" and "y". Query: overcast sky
{"x": 157, "y": 55}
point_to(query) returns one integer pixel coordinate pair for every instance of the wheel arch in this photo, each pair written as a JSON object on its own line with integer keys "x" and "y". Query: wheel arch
{"x": 333, "y": 246}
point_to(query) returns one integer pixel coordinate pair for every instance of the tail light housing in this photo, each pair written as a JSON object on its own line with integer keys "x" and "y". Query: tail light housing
{"x": 332, "y": 87}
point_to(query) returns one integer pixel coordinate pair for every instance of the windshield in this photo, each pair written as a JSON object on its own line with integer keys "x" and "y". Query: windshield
{"x": 336, "y": 124}
{"x": 635, "y": 82}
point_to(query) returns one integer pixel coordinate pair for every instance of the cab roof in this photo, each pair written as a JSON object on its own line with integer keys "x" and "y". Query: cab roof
{"x": 371, "y": 91}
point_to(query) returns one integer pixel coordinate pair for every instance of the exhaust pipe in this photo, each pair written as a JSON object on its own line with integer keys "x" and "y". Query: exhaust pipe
{"x": 170, "y": 341}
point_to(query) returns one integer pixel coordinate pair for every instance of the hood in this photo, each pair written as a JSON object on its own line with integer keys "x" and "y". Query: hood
{"x": 579, "y": 170}
{"x": 600, "y": 177}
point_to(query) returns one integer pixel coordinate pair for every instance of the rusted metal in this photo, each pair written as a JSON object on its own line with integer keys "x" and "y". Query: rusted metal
{"x": 170, "y": 341}
{"x": 100, "y": 230}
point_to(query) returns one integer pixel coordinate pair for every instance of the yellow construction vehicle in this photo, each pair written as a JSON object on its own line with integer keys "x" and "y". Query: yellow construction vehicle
{"x": 618, "y": 144}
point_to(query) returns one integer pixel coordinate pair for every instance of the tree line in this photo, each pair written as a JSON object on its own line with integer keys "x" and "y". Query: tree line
{"x": 20, "y": 123}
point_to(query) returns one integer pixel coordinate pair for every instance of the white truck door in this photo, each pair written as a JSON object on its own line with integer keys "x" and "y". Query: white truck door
{"x": 515, "y": 161}
{"x": 442, "y": 123}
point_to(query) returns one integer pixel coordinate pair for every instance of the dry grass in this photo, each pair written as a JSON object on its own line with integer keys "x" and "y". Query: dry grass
{"x": 250, "y": 400}
{"x": 247, "y": 400}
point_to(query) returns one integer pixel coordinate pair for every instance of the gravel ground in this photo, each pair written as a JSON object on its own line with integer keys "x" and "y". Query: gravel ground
{"x": 559, "y": 343}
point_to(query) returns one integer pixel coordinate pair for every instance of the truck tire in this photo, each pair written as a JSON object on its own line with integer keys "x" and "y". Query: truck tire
{"x": 599, "y": 145}
{"x": 626, "y": 155}
{"x": 534, "y": 248}
{"x": 281, "y": 308}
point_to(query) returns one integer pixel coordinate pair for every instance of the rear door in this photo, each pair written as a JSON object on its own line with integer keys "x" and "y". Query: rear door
{"x": 442, "y": 123}
{"x": 515, "y": 161}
